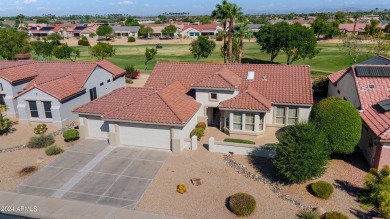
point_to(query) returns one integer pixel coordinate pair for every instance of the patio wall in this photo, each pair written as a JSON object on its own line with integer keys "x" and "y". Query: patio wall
{"x": 241, "y": 149}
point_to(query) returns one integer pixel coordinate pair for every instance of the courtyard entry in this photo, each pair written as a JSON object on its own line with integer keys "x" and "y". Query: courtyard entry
{"x": 214, "y": 117}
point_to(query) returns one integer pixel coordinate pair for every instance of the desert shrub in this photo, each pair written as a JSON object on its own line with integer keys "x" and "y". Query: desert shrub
{"x": 375, "y": 183}
{"x": 219, "y": 38}
{"x": 201, "y": 125}
{"x": 27, "y": 170}
{"x": 242, "y": 141}
{"x": 335, "y": 215}
{"x": 384, "y": 207}
{"x": 242, "y": 204}
{"x": 340, "y": 122}
{"x": 301, "y": 155}
{"x": 129, "y": 81}
{"x": 5, "y": 124}
{"x": 129, "y": 69}
{"x": 320, "y": 86}
{"x": 199, "y": 132}
{"x": 40, "y": 141}
{"x": 71, "y": 135}
{"x": 308, "y": 214}
{"x": 83, "y": 41}
{"x": 131, "y": 39}
{"x": 40, "y": 129}
{"x": 322, "y": 189}
{"x": 53, "y": 150}
{"x": 181, "y": 188}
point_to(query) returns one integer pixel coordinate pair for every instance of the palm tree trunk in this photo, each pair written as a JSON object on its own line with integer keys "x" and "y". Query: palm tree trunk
{"x": 240, "y": 49}
{"x": 224, "y": 44}
{"x": 354, "y": 26}
{"x": 231, "y": 40}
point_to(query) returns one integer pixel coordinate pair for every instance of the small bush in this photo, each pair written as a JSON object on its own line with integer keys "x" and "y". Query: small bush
{"x": 71, "y": 135}
{"x": 131, "y": 39}
{"x": 242, "y": 204}
{"x": 199, "y": 132}
{"x": 41, "y": 141}
{"x": 38, "y": 38}
{"x": 320, "y": 87}
{"x": 40, "y": 129}
{"x": 201, "y": 125}
{"x": 92, "y": 35}
{"x": 322, "y": 189}
{"x": 83, "y": 41}
{"x": 129, "y": 69}
{"x": 335, "y": 215}
{"x": 308, "y": 214}
{"x": 53, "y": 150}
{"x": 129, "y": 81}
{"x": 181, "y": 188}
{"x": 219, "y": 38}
{"x": 242, "y": 141}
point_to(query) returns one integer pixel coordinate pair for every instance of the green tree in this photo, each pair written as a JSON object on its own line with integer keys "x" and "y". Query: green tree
{"x": 55, "y": 38}
{"x": 233, "y": 13}
{"x": 372, "y": 29}
{"x": 43, "y": 49}
{"x": 340, "y": 16}
{"x": 102, "y": 50}
{"x": 333, "y": 29}
{"x": 381, "y": 45}
{"x": 375, "y": 182}
{"x": 13, "y": 42}
{"x": 131, "y": 21}
{"x": 320, "y": 27}
{"x": 21, "y": 18}
{"x": 66, "y": 52}
{"x": 387, "y": 28}
{"x": 163, "y": 18}
{"x": 5, "y": 124}
{"x": 149, "y": 54}
{"x": 301, "y": 155}
{"x": 145, "y": 31}
{"x": 356, "y": 17}
{"x": 273, "y": 38}
{"x": 105, "y": 31}
{"x": 341, "y": 123}
{"x": 202, "y": 47}
{"x": 42, "y": 21}
{"x": 242, "y": 31}
{"x": 169, "y": 30}
{"x": 205, "y": 20}
{"x": 352, "y": 46}
{"x": 300, "y": 44}
{"x": 221, "y": 13}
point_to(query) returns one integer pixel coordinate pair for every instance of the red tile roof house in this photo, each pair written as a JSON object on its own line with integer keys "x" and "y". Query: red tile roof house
{"x": 241, "y": 99}
{"x": 193, "y": 31}
{"x": 47, "y": 92}
{"x": 367, "y": 86}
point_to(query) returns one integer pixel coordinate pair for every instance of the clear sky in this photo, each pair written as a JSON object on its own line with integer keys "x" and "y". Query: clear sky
{"x": 195, "y": 7}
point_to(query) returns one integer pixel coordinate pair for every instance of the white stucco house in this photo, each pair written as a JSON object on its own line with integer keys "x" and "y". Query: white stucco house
{"x": 194, "y": 31}
{"x": 237, "y": 99}
{"x": 126, "y": 31}
{"x": 367, "y": 86}
{"x": 47, "y": 92}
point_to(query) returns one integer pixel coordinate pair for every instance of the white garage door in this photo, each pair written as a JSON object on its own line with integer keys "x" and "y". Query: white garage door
{"x": 97, "y": 127}
{"x": 145, "y": 135}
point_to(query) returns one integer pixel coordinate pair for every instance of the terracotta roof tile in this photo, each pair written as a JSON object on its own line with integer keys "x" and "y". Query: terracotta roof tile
{"x": 247, "y": 100}
{"x": 335, "y": 77}
{"x": 224, "y": 78}
{"x": 15, "y": 71}
{"x": 114, "y": 69}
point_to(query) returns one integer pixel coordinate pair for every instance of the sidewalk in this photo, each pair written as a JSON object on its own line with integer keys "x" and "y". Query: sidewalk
{"x": 45, "y": 207}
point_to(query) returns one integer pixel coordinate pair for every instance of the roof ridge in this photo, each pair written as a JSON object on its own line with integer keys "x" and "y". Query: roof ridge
{"x": 27, "y": 63}
{"x": 235, "y": 64}
{"x": 253, "y": 90}
{"x": 170, "y": 108}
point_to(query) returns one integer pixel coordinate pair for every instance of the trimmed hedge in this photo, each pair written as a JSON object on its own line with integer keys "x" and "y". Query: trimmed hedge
{"x": 199, "y": 132}
{"x": 41, "y": 141}
{"x": 335, "y": 215}
{"x": 131, "y": 39}
{"x": 340, "y": 122}
{"x": 322, "y": 189}
{"x": 236, "y": 140}
{"x": 320, "y": 86}
{"x": 71, "y": 135}
{"x": 242, "y": 204}
{"x": 53, "y": 150}
{"x": 201, "y": 125}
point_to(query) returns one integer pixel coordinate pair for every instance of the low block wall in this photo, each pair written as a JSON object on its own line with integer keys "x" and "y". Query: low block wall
{"x": 241, "y": 149}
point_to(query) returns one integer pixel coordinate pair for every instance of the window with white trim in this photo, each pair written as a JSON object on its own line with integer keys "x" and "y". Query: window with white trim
{"x": 249, "y": 122}
{"x": 292, "y": 116}
{"x": 280, "y": 115}
{"x": 237, "y": 121}
{"x": 47, "y": 108}
{"x": 213, "y": 96}
{"x": 33, "y": 109}
{"x": 286, "y": 115}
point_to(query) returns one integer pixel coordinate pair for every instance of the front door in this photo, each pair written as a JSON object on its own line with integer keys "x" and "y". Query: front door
{"x": 214, "y": 115}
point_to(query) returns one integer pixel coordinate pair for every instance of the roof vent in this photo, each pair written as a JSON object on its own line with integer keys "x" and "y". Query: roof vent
{"x": 264, "y": 77}
{"x": 371, "y": 86}
{"x": 250, "y": 76}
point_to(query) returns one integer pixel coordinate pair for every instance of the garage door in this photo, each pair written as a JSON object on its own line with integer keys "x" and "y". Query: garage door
{"x": 145, "y": 135}
{"x": 97, "y": 128}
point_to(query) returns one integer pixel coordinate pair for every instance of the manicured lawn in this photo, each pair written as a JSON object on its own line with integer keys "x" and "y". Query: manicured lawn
{"x": 329, "y": 60}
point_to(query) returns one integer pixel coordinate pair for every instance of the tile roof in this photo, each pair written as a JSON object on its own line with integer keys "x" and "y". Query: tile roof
{"x": 126, "y": 28}
{"x": 224, "y": 78}
{"x": 59, "y": 79}
{"x": 335, "y": 77}
{"x": 277, "y": 83}
{"x": 201, "y": 28}
{"x": 247, "y": 100}
{"x": 360, "y": 27}
{"x": 170, "y": 105}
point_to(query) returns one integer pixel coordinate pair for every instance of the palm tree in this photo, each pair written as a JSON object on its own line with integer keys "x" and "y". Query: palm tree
{"x": 356, "y": 16}
{"x": 221, "y": 13}
{"x": 242, "y": 31}
{"x": 234, "y": 13}
{"x": 21, "y": 18}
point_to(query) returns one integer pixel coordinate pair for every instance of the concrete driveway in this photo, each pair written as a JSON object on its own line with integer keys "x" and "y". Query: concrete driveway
{"x": 94, "y": 172}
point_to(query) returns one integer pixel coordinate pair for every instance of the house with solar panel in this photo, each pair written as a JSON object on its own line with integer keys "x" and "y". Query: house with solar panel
{"x": 367, "y": 86}
{"x": 39, "y": 31}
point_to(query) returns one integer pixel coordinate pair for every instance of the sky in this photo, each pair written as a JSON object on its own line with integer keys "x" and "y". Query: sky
{"x": 194, "y": 7}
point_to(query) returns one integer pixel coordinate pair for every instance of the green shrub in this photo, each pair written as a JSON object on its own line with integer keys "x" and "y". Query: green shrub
{"x": 219, "y": 38}
{"x": 308, "y": 214}
{"x": 340, "y": 122}
{"x": 83, "y": 41}
{"x": 129, "y": 81}
{"x": 131, "y": 39}
{"x": 53, "y": 150}
{"x": 40, "y": 129}
{"x": 71, "y": 135}
{"x": 301, "y": 155}
{"x": 320, "y": 86}
{"x": 92, "y": 35}
{"x": 375, "y": 182}
{"x": 322, "y": 189}
{"x": 40, "y": 141}
{"x": 129, "y": 69}
{"x": 242, "y": 204}
{"x": 201, "y": 125}
{"x": 199, "y": 132}
{"x": 242, "y": 141}
{"x": 335, "y": 215}
{"x": 5, "y": 124}
{"x": 38, "y": 38}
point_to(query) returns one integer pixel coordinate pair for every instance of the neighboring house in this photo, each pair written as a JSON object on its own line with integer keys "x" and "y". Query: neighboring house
{"x": 38, "y": 31}
{"x": 194, "y": 31}
{"x": 47, "y": 92}
{"x": 367, "y": 86}
{"x": 255, "y": 27}
{"x": 237, "y": 99}
{"x": 126, "y": 31}
{"x": 349, "y": 27}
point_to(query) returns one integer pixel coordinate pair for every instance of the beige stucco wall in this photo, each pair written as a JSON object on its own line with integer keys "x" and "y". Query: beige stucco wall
{"x": 345, "y": 88}
{"x": 203, "y": 97}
